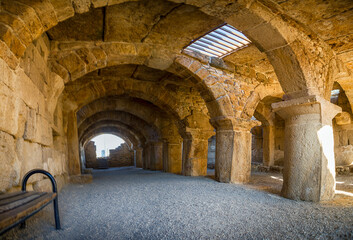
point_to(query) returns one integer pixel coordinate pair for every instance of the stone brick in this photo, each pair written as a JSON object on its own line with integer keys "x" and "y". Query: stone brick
{"x": 27, "y": 14}
{"x": 63, "y": 9}
{"x": 45, "y": 12}
{"x": 10, "y": 165}
{"x": 8, "y": 37}
{"x": 81, "y": 6}
{"x": 30, "y": 156}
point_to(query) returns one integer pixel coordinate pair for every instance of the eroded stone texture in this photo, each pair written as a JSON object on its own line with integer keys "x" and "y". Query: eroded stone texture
{"x": 233, "y": 150}
{"x": 309, "y": 166}
{"x": 90, "y": 155}
{"x": 50, "y": 71}
{"x": 121, "y": 156}
{"x": 10, "y": 165}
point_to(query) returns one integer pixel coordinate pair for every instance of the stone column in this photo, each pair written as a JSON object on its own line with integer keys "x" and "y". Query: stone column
{"x": 146, "y": 157}
{"x": 195, "y": 146}
{"x": 309, "y": 163}
{"x": 233, "y": 149}
{"x": 174, "y": 158}
{"x": 157, "y": 156}
{"x": 154, "y": 155}
{"x": 138, "y": 157}
{"x": 73, "y": 145}
{"x": 268, "y": 133}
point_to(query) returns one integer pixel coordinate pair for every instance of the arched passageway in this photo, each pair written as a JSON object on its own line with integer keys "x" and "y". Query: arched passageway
{"x": 70, "y": 71}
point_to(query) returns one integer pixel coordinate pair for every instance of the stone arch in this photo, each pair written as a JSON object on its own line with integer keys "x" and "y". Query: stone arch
{"x": 126, "y": 139}
{"x": 144, "y": 110}
{"x": 270, "y": 30}
{"x": 105, "y": 125}
{"x": 150, "y": 132}
{"x": 86, "y": 59}
{"x": 120, "y": 131}
{"x": 147, "y": 91}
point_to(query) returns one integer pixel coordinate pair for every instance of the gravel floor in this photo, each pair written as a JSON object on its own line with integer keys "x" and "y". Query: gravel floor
{"x": 131, "y": 203}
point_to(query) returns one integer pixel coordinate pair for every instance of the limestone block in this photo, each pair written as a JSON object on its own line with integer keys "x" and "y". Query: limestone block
{"x": 7, "y": 76}
{"x": 31, "y": 125}
{"x": 37, "y": 129}
{"x": 12, "y": 41}
{"x": 27, "y": 14}
{"x": 28, "y": 92}
{"x": 99, "y": 3}
{"x": 18, "y": 26}
{"x": 63, "y": 9}
{"x": 57, "y": 164}
{"x": 42, "y": 186}
{"x": 344, "y": 155}
{"x": 30, "y": 156}
{"x": 9, "y": 110}
{"x": 10, "y": 165}
{"x": 279, "y": 157}
{"x": 73, "y": 64}
{"x": 43, "y": 131}
{"x": 8, "y": 56}
{"x": 343, "y": 118}
{"x": 45, "y": 12}
{"x": 81, "y": 6}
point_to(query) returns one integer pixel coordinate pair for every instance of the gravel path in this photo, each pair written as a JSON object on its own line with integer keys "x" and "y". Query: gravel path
{"x": 131, "y": 203}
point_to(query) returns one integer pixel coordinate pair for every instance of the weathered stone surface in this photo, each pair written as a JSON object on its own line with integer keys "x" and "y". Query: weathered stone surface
{"x": 343, "y": 118}
{"x": 90, "y": 155}
{"x": 30, "y": 156}
{"x": 10, "y": 165}
{"x": 121, "y": 156}
{"x": 9, "y": 110}
{"x": 131, "y": 50}
{"x": 310, "y": 120}
{"x": 344, "y": 155}
{"x": 81, "y": 6}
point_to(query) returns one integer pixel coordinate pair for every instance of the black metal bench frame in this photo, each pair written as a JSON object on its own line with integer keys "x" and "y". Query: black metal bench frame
{"x": 22, "y": 221}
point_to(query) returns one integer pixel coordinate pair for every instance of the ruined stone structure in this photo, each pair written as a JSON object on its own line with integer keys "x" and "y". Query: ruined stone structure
{"x": 122, "y": 156}
{"x": 73, "y": 69}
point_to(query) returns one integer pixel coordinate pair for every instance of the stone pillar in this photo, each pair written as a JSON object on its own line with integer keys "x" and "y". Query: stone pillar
{"x": 309, "y": 163}
{"x": 73, "y": 145}
{"x": 154, "y": 155}
{"x": 146, "y": 156}
{"x": 157, "y": 156}
{"x": 268, "y": 133}
{"x": 173, "y": 158}
{"x": 195, "y": 148}
{"x": 233, "y": 149}
{"x": 138, "y": 157}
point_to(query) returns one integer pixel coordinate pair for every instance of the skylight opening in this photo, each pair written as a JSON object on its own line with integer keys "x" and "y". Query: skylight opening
{"x": 219, "y": 42}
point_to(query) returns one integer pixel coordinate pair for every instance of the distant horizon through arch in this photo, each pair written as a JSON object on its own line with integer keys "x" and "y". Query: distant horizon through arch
{"x": 105, "y": 142}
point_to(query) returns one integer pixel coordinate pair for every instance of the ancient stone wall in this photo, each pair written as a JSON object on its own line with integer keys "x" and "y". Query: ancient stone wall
{"x": 257, "y": 145}
{"x": 31, "y": 121}
{"x": 90, "y": 155}
{"x": 343, "y": 128}
{"x": 121, "y": 156}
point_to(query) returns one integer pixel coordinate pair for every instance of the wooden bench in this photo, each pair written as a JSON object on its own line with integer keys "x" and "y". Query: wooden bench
{"x": 16, "y": 207}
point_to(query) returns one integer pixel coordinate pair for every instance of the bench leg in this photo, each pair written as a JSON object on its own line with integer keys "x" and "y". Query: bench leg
{"x": 56, "y": 214}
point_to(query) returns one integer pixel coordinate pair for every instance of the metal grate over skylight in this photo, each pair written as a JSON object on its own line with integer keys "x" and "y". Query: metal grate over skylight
{"x": 219, "y": 42}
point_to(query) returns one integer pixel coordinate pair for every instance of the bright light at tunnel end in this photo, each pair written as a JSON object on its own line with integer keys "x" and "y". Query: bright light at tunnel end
{"x": 105, "y": 142}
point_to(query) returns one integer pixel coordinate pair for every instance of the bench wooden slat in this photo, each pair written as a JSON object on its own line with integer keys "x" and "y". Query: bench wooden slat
{"x": 10, "y": 195}
{"x": 16, "y": 198}
{"x": 12, "y": 216}
{"x": 20, "y": 202}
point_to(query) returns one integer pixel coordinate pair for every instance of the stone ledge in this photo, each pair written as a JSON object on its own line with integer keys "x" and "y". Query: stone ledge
{"x": 81, "y": 179}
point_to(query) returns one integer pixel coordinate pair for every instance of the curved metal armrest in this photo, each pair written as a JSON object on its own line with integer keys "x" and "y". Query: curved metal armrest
{"x": 34, "y": 171}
